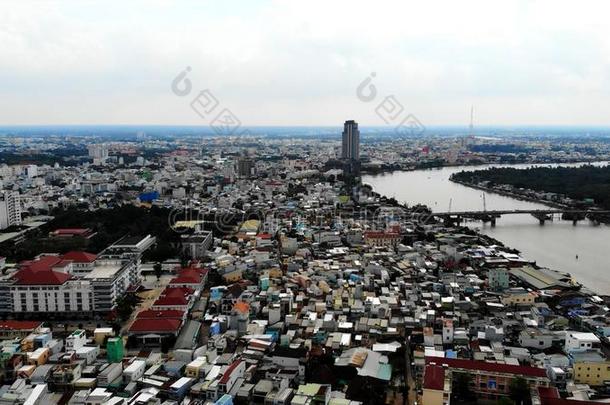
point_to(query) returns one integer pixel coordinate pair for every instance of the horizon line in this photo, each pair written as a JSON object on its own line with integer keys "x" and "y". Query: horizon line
{"x": 388, "y": 127}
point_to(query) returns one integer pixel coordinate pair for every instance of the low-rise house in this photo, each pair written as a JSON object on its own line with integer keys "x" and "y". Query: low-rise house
{"x": 536, "y": 339}
{"x": 580, "y": 341}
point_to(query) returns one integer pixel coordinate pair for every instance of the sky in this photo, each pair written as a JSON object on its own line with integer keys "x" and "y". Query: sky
{"x": 301, "y": 62}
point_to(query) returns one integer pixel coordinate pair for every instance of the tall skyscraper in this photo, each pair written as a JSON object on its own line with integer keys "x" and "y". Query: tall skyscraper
{"x": 351, "y": 141}
{"x": 10, "y": 209}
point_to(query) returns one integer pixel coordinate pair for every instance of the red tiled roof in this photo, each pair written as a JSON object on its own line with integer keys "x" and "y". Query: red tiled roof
{"x": 170, "y": 301}
{"x": 225, "y": 377}
{"x": 548, "y": 392}
{"x": 43, "y": 263}
{"x": 167, "y": 314}
{"x": 156, "y": 325}
{"x": 192, "y": 269}
{"x": 43, "y": 277}
{"x": 185, "y": 280}
{"x": 80, "y": 257}
{"x": 177, "y": 292}
{"x": 189, "y": 276}
{"x": 174, "y": 296}
{"x": 19, "y": 325}
{"x": 39, "y": 272}
{"x": 486, "y": 366}
{"x": 434, "y": 377}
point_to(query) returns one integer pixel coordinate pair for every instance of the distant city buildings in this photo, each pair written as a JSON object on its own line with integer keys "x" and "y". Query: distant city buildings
{"x": 99, "y": 153}
{"x": 244, "y": 167}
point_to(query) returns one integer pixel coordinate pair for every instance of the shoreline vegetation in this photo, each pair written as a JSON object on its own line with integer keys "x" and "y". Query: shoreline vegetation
{"x": 440, "y": 164}
{"x": 579, "y": 188}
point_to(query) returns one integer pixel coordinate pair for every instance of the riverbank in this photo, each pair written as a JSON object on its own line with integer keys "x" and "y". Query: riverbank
{"x": 555, "y": 245}
{"x": 522, "y": 197}
{"x": 508, "y": 194}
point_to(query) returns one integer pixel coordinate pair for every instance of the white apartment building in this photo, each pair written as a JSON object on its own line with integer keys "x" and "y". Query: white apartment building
{"x": 109, "y": 280}
{"x": 51, "y": 285}
{"x": 44, "y": 285}
{"x": 76, "y": 340}
{"x": 10, "y": 209}
{"x": 581, "y": 341}
{"x": 70, "y": 296}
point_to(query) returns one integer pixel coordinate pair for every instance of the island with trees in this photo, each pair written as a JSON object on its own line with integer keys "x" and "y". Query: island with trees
{"x": 579, "y": 187}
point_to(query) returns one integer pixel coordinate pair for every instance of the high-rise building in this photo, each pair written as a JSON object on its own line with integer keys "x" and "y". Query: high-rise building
{"x": 244, "y": 167}
{"x": 10, "y": 209}
{"x": 32, "y": 171}
{"x": 99, "y": 153}
{"x": 351, "y": 141}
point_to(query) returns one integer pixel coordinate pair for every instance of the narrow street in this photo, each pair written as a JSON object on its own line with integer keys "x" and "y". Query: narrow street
{"x": 413, "y": 397}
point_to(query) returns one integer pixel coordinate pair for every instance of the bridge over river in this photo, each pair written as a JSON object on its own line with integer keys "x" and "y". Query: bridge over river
{"x": 542, "y": 215}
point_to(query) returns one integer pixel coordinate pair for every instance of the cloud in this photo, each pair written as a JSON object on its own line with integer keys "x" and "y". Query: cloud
{"x": 298, "y": 63}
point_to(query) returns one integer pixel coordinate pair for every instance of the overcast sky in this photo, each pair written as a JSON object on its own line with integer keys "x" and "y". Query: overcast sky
{"x": 300, "y": 62}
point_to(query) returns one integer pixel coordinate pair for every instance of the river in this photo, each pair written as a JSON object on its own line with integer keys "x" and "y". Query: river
{"x": 555, "y": 244}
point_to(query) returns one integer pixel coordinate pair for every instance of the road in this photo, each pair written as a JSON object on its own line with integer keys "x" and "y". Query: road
{"x": 413, "y": 397}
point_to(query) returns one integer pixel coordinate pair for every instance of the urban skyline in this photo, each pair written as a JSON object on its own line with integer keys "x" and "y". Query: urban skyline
{"x": 304, "y": 203}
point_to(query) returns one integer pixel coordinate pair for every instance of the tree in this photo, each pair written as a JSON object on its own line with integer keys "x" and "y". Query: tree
{"x": 158, "y": 270}
{"x": 116, "y": 328}
{"x": 520, "y": 391}
{"x": 461, "y": 387}
{"x": 125, "y": 306}
{"x": 184, "y": 260}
